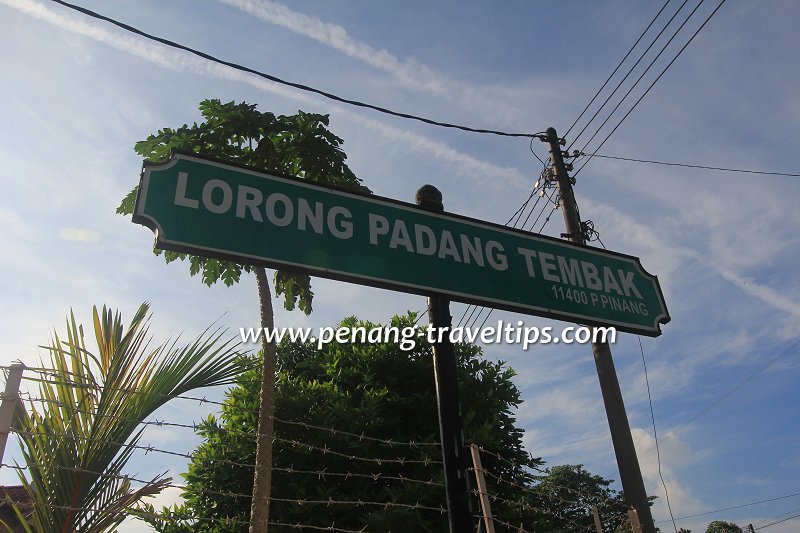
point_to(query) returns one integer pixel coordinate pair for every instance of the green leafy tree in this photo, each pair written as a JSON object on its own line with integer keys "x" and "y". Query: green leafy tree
{"x": 299, "y": 145}
{"x": 78, "y": 441}
{"x": 721, "y": 526}
{"x": 565, "y": 496}
{"x": 374, "y": 389}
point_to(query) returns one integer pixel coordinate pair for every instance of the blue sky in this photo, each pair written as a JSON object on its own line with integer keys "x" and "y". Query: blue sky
{"x": 78, "y": 93}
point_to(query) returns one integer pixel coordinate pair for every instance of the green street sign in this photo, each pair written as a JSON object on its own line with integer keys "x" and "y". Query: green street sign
{"x": 215, "y": 209}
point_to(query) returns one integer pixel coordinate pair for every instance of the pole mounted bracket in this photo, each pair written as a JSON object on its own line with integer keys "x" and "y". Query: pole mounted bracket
{"x": 544, "y": 139}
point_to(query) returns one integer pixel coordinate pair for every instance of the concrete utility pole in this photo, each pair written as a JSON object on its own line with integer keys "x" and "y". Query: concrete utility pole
{"x": 629, "y": 472}
{"x": 451, "y": 427}
{"x": 9, "y": 403}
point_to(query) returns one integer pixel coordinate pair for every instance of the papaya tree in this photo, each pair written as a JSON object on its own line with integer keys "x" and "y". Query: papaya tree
{"x": 299, "y": 145}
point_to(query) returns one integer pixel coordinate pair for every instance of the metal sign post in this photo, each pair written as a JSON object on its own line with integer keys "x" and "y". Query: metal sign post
{"x": 451, "y": 429}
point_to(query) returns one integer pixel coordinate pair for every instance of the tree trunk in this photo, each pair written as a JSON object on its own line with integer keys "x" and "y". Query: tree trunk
{"x": 262, "y": 481}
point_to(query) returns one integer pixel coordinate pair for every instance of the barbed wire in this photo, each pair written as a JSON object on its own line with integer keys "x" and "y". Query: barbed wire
{"x": 519, "y": 529}
{"x": 298, "y": 443}
{"x": 325, "y": 450}
{"x": 533, "y": 491}
{"x": 203, "y": 400}
{"x": 293, "y": 442}
{"x": 299, "y": 501}
{"x": 322, "y": 474}
{"x": 512, "y": 464}
{"x": 196, "y": 425}
{"x": 186, "y": 518}
{"x": 528, "y": 506}
{"x": 76, "y": 438}
{"x": 330, "y": 501}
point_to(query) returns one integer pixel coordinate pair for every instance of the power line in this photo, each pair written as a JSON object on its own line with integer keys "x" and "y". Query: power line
{"x": 734, "y": 507}
{"x": 725, "y": 395}
{"x": 555, "y": 204}
{"x": 652, "y": 84}
{"x": 630, "y": 71}
{"x": 642, "y": 75}
{"x": 516, "y": 217}
{"x": 686, "y": 165}
{"x": 655, "y": 433}
{"x": 778, "y": 519}
{"x": 616, "y": 69}
{"x": 275, "y": 79}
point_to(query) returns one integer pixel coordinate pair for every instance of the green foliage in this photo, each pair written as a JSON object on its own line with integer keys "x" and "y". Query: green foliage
{"x": 378, "y": 390}
{"x": 721, "y": 526}
{"x": 374, "y": 389}
{"x": 299, "y": 145}
{"x": 566, "y": 494}
{"x": 76, "y": 445}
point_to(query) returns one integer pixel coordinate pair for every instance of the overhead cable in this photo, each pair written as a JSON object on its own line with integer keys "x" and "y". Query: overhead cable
{"x": 724, "y": 395}
{"x": 275, "y": 79}
{"x": 616, "y": 69}
{"x": 630, "y": 70}
{"x": 652, "y": 84}
{"x": 734, "y": 507}
{"x": 655, "y": 433}
{"x": 686, "y": 165}
{"x": 642, "y": 75}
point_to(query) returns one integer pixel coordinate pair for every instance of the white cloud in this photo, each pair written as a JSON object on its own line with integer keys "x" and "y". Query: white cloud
{"x": 168, "y": 58}
{"x": 79, "y": 235}
{"x": 168, "y": 497}
{"x": 575, "y": 405}
{"x": 13, "y": 223}
{"x": 409, "y": 71}
{"x": 673, "y": 453}
{"x": 496, "y": 102}
{"x": 480, "y": 171}
{"x": 766, "y": 294}
{"x": 669, "y": 259}
{"x": 757, "y": 481}
{"x": 582, "y": 448}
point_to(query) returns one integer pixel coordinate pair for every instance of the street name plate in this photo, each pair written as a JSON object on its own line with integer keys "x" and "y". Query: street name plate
{"x": 215, "y": 209}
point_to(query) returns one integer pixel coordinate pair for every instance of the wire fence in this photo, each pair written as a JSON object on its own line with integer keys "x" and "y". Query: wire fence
{"x": 391, "y": 464}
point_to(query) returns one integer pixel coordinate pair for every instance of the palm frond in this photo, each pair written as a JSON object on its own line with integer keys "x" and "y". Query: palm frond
{"x": 76, "y": 446}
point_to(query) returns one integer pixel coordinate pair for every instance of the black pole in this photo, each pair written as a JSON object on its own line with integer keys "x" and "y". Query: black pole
{"x": 629, "y": 472}
{"x": 451, "y": 429}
